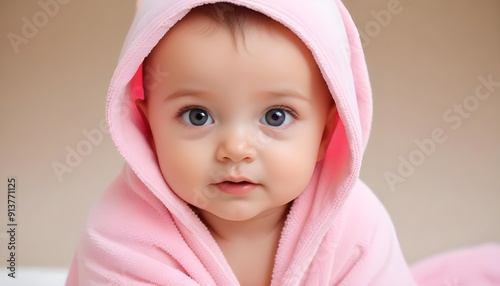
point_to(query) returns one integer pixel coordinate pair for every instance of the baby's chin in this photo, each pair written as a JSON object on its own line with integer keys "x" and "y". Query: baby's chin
{"x": 242, "y": 212}
{"x": 233, "y": 214}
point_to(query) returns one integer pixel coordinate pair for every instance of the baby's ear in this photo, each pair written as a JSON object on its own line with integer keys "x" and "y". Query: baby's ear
{"x": 331, "y": 123}
{"x": 143, "y": 108}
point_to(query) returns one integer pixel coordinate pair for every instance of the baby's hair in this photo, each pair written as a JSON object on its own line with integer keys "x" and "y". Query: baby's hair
{"x": 235, "y": 19}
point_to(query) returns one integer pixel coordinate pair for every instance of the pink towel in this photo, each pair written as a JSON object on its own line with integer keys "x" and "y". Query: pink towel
{"x": 478, "y": 265}
{"x": 140, "y": 232}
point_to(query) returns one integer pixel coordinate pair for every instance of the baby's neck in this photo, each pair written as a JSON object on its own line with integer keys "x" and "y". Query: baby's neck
{"x": 263, "y": 226}
{"x": 249, "y": 244}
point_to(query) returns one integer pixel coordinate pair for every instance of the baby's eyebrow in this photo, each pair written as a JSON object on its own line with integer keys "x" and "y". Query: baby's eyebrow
{"x": 278, "y": 93}
{"x": 185, "y": 92}
{"x": 283, "y": 93}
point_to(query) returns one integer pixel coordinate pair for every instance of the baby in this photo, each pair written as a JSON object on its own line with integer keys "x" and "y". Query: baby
{"x": 245, "y": 118}
{"x": 243, "y": 126}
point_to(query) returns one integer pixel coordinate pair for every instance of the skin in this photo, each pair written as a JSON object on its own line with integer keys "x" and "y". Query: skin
{"x": 236, "y": 83}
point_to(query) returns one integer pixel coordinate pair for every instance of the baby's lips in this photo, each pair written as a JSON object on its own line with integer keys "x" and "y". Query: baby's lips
{"x": 236, "y": 188}
{"x": 238, "y": 179}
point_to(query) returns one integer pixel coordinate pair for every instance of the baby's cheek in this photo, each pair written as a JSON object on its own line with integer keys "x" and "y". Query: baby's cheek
{"x": 177, "y": 167}
{"x": 291, "y": 166}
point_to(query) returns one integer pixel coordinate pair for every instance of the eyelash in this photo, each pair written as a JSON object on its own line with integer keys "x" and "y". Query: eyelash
{"x": 185, "y": 109}
{"x": 292, "y": 112}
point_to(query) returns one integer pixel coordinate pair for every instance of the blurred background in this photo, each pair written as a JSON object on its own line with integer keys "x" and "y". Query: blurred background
{"x": 433, "y": 157}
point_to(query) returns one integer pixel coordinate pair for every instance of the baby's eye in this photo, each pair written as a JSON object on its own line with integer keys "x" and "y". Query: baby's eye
{"x": 276, "y": 117}
{"x": 197, "y": 117}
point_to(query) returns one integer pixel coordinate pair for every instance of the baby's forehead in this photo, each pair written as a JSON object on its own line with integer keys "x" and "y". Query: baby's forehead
{"x": 208, "y": 21}
{"x": 190, "y": 44}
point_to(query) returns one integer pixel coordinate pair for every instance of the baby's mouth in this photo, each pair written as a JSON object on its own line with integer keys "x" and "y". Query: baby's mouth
{"x": 236, "y": 187}
{"x": 237, "y": 183}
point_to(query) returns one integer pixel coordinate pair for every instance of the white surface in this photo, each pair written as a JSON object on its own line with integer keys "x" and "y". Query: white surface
{"x": 28, "y": 276}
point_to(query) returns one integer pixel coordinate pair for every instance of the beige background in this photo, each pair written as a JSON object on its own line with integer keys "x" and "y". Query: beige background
{"x": 423, "y": 60}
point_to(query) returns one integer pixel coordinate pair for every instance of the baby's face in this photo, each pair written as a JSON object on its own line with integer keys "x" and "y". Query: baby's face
{"x": 237, "y": 132}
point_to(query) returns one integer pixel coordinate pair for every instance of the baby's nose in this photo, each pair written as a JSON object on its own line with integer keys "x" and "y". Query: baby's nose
{"x": 236, "y": 146}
